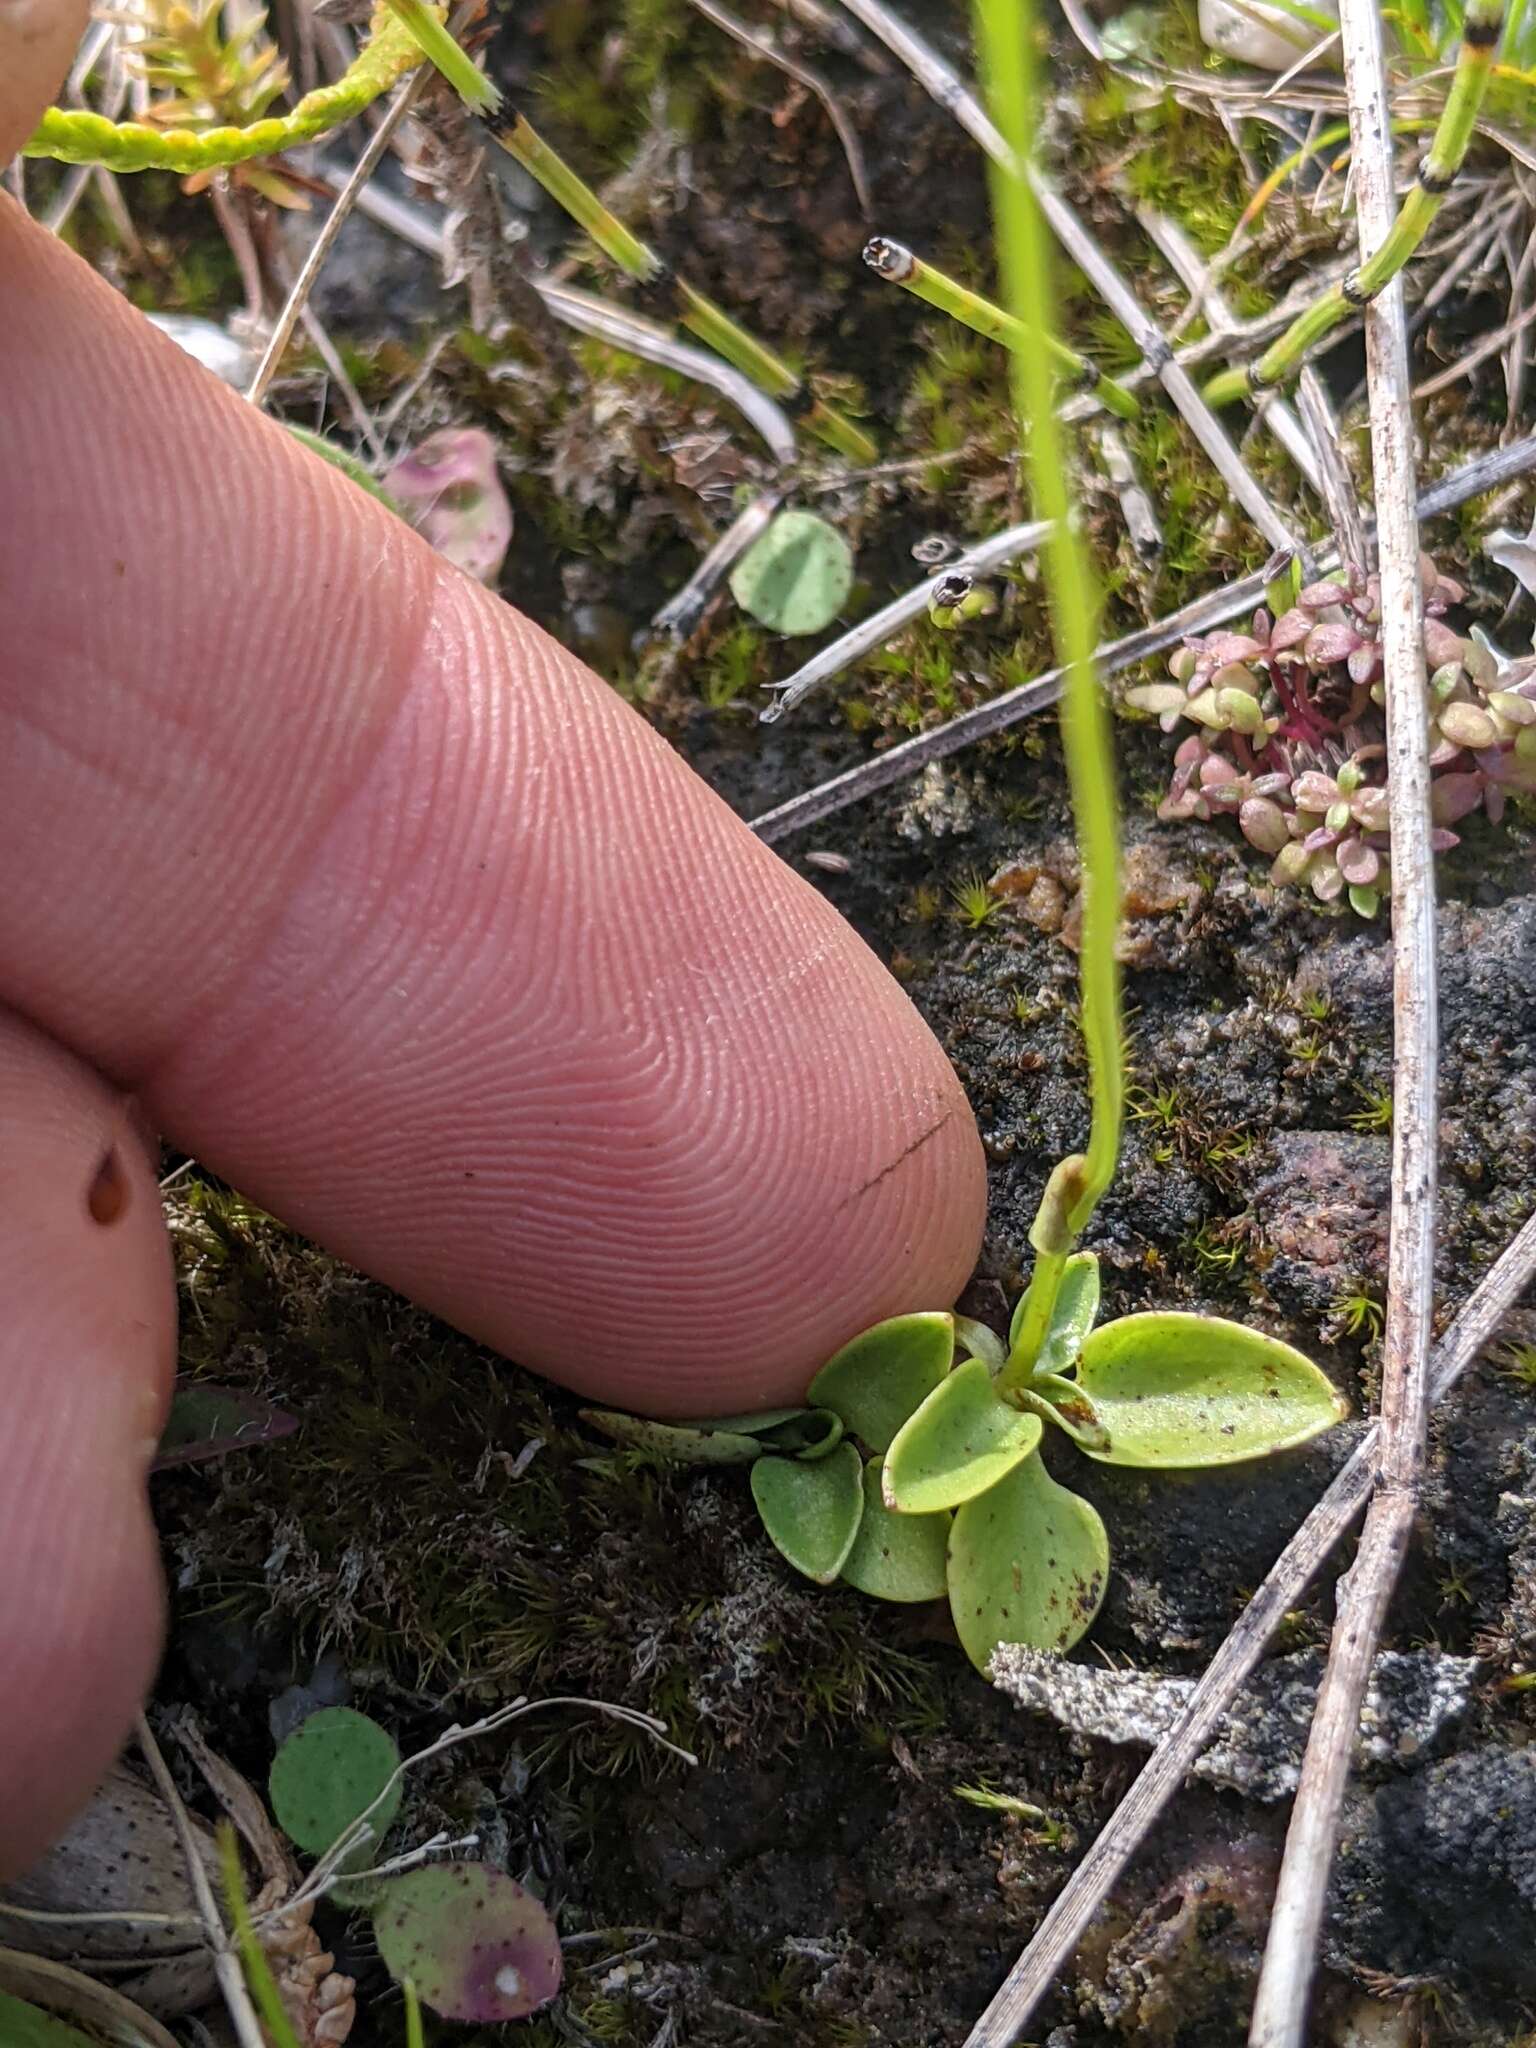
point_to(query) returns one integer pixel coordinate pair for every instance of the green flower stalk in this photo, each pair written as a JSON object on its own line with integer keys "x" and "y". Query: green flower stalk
{"x": 895, "y": 262}
{"x": 1481, "y": 31}
{"x": 1074, "y": 1188}
{"x": 686, "y": 303}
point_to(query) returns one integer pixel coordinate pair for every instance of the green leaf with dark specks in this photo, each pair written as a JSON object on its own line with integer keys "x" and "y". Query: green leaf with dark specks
{"x": 1180, "y": 1391}
{"x": 884, "y": 1374}
{"x": 896, "y": 1557}
{"x": 812, "y": 1512}
{"x": 796, "y": 578}
{"x": 961, "y": 1441}
{"x": 1028, "y": 1563}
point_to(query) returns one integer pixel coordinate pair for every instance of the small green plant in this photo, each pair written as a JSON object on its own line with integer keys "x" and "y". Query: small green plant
{"x": 935, "y": 1479}
{"x": 976, "y": 902}
{"x": 1375, "y": 1111}
{"x": 1359, "y": 1314}
{"x": 1518, "y": 1362}
{"x": 472, "y": 1941}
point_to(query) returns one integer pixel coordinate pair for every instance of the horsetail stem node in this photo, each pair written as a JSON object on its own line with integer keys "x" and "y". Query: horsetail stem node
{"x": 1481, "y": 32}
{"x": 671, "y": 295}
{"x": 895, "y": 262}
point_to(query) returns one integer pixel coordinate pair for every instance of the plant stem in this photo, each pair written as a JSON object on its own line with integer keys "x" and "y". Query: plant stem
{"x": 1481, "y": 30}
{"x": 688, "y": 305}
{"x": 1007, "y": 54}
{"x": 895, "y": 262}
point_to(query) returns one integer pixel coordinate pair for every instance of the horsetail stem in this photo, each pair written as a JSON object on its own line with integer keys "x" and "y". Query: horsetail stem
{"x": 1482, "y": 27}
{"x": 895, "y": 262}
{"x": 685, "y": 302}
{"x": 74, "y": 136}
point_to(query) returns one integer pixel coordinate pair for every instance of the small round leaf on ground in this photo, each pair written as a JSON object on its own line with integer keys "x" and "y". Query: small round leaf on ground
{"x": 796, "y": 578}
{"x": 885, "y": 1374}
{"x": 326, "y": 1774}
{"x": 476, "y": 1945}
{"x": 962, "y": 1440}
{"x": 1181, "y": 1391}
{"x": 1028, "y": 1563}
{"x": 896, "y": 1557}
{"x": 812, "y": 1511}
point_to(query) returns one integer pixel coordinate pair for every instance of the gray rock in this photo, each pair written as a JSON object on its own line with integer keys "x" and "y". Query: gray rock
{"x": 1414, "y": 1700}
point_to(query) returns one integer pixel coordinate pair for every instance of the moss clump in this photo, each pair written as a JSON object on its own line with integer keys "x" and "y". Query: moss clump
{"x": 442, "y": 1521}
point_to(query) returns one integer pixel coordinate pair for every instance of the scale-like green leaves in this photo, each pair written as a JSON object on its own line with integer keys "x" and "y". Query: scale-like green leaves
{"x": 875, "y": 1382}
{"x": 961, "y": 1441}
{"x": 1179, "y": 1390}
{"x": 796, "y": 578}
{"x": 812, "y": 1511}
{"x": 896, "y": 1557}
{"x": 1028, "y": 1563}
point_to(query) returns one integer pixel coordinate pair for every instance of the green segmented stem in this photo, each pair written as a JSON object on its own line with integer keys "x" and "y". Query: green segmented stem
{"x": 75, "y": 137}
{"x": 895, "y": 262}
{"x": 1481, "y": 29}
{"x": 689, "y": 306}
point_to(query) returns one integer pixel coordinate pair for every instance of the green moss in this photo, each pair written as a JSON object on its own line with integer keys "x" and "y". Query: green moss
{"x": 442, "y": 1519}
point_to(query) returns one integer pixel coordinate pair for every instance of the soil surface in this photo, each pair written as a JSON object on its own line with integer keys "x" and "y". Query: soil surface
{"x": 442, "y": 1533}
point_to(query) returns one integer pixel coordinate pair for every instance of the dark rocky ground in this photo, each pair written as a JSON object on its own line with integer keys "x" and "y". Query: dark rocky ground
{"x": 819, "y": 1880}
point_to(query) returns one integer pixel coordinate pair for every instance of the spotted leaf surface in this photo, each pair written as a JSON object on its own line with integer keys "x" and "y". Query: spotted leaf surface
{"x": 1028, "y": 1563}
{"x": 1181, "y": 1391}
{"x": 476, "y": 1945}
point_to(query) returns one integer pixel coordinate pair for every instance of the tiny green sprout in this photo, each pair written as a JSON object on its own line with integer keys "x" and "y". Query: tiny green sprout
{"x": 1518, "y": 1362}
{"x": 1160, "y": 1107}
{"x": 1308, "y": 1049}
{"x": 976, "y": 902}
{"x": 1375, "y": 1113}
{"x": 1316, "y": 1005}
{"x": 1359, "y": 1314}
{"x": 1044, "y": 1828}
{"x": 1212, "y": 1248}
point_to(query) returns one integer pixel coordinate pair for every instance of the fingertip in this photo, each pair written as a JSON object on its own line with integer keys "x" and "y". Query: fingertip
{"x": 37, "y": 40}
{"x": 86, "y": 1352}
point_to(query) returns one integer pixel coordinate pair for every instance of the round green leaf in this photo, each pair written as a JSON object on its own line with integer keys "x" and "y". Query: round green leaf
{"x": 896, "y": 1557}
{"x": 1180, "y": 1391}
{"x": 960, "y": 1442}
{"x": 326, "y": 1774}
{"x": 476, "y": 1945}
{"x": 680, "y": 1443}
{"x": 1028, "y": 1563}
{"x": 812, "y": 1512}
{"x": 796, "y": 578}
{"x": 884, "y": 1374}
{"x": 1077, "y": 1303}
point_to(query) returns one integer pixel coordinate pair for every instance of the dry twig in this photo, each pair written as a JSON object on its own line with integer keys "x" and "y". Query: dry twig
{"x": 1285, "y": 1582}
{"x": 1290, "y": 1956}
